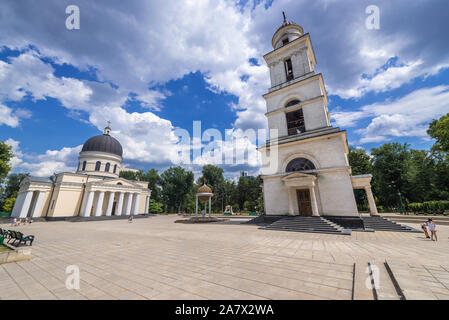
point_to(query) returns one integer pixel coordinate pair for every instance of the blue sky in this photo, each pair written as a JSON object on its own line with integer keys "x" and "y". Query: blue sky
{"x": 152, "y": 67}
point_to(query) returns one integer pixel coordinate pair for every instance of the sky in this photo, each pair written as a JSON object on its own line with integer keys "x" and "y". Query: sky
{"x": 155, "y": 68}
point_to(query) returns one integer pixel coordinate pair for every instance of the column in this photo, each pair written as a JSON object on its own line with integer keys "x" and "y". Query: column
{"x": 99, "y": 204}
{"x": 196, "y": 211}
{"x": 136, "y": 203}
{"x": 128, "y": 204}
{"x": 205, "y": 208}
{"x": 209, "y": 205}
{"x": 38, "y": 205}
{"x": 119, "y": 210}
{"x": 371, "y": 202}
{"x": 314, "y": 203}
{"x": 26, "y": 204}
{"x": 110, "y": 203}
{"x": 18, "y": 205}
{"x": 147, "y": 205}
{"x": 291, "y": 209}
{"x": 88, "y": 206}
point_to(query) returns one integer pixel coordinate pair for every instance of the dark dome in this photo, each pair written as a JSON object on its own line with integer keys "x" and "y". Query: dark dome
{"x": 103, "y": 143}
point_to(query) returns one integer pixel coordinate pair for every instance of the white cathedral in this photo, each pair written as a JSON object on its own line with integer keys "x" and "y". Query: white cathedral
{"x": 312, "y": 176}
{"x": 94, "y": 190}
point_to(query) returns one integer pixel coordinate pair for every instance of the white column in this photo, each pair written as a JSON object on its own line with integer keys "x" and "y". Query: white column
{"x": 26, "y": 204}
{"x": 209, "y": 205}
{"x": 290, "y": 201}
{"x": 128, "y": 204}
{"x": 18, "y": 205}
{"x": 136, "y": 203}
{"x": 110, "y": 203}
{"x": 196, "y": 211}
{"x": 99, "y": 204}
{"x": 314, "y": 203}
{"x": 38, "y": 205}
{"x": 371, "y": 202}
{"x": 147, "y": 204}
{"x": 88, "y": 205}
{"x": 119, "y": 210}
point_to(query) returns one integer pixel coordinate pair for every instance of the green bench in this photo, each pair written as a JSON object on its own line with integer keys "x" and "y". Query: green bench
{"x": 17, "y": 236}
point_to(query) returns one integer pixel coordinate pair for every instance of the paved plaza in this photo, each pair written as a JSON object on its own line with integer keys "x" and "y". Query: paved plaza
{"x": 155, "y": 258}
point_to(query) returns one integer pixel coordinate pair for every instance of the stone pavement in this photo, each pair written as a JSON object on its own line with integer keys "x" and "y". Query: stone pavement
{"x": 155, "y": 258}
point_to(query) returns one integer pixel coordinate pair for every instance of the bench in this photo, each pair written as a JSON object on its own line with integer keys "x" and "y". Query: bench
{"x": 4, "y": 233}
{"x": 18, "y": 236}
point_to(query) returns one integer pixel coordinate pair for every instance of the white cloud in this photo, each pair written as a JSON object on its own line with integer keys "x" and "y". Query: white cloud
{"x": 404, "y": 117}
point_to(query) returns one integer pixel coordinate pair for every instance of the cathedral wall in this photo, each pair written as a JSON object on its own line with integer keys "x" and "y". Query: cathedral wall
{"x": 336, "y": 194}
{"x": 67, "y": 202}
{"x": 326, "y": 152}
{"x": 275, "y": 196}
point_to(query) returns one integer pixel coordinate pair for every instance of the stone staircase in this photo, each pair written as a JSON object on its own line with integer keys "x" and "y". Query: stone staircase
{"x": 379, "y": 223}
{"x": 307, "y": 224}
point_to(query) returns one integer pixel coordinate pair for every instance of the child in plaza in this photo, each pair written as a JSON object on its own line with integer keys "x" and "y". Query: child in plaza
{"x": 424, "y": 228}
{"x": 432, "y": 229}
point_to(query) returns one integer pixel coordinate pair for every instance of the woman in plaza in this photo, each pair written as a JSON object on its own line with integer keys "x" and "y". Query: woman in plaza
{"x": 432, "y": 229}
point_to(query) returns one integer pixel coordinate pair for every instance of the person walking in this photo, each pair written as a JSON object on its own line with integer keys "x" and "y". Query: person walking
{"x": 432, "y": 229}
{"x": 424, "y": 228}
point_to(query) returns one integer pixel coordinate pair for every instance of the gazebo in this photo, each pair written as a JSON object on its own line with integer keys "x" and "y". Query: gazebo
{"x": 204, "y": 193}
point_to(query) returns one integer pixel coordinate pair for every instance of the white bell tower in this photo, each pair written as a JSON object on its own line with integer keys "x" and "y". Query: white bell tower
{"x": 313, "y": 176}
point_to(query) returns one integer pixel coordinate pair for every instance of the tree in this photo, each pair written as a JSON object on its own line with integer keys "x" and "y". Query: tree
{"x": 9, "y": 204}
{"x": 154, "y": 183}
{"x": 176, "y": 185}
{"x": 155, "y": 207}
{"x": 439, "y": 130}
{"x": 13, "y": 184}
{"x": 391, "y": 163}
{"x": 5, "y": 158}
{"x": 130, "y": 175}
{"x": 359, "y": 161}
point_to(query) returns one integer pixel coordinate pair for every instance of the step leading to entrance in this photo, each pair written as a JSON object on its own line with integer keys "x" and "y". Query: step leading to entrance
{"x": 379, "y": 223}
{"x": 306, "y": 224}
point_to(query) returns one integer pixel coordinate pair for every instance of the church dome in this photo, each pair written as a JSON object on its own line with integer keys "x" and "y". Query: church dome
{"x": 104, "y": 143}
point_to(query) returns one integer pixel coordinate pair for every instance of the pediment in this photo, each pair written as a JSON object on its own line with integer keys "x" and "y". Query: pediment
{"x": 299, "y": 175}
{"x": 119, "y": 182}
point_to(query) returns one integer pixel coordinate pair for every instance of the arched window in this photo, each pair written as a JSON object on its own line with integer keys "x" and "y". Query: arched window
{"x": 107, "y": 167}
{"x": 292, "y": 103}
{"x": 84, "y": 165}
{"x": 115, "y": 168}
{"x": 97, "y": 166}
{"x": 299, "y": 164}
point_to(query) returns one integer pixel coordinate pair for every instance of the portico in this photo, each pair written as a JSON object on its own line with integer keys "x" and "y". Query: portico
{"x": 301, "y": 194}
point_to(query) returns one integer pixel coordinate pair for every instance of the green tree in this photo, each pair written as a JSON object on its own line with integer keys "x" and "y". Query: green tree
{"x": 154, "y": 183}
{"x": 130, "y": 175}
{"x": 9, "y": 204}
{"x": 155, "y": 207}
{"x": 359, "y": 161}
{"x": 176, "y": 185}
{"x": 13, "y": 184}
{"x": 391, "y": 163}
{"x": 439, "y": 130}
{"x": 5, "y": 158}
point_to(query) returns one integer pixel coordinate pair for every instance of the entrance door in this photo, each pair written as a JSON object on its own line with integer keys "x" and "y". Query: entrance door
{"x": 304, "y": 204}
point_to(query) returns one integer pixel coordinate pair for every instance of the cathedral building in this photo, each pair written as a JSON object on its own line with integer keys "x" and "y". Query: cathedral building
{"x": 94, "y": 190}
{"x": 313, "y": 176}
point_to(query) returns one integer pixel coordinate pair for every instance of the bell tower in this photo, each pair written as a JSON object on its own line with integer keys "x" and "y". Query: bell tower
{"x": 297, "y": 100}
{"x": 311, "y": 175}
